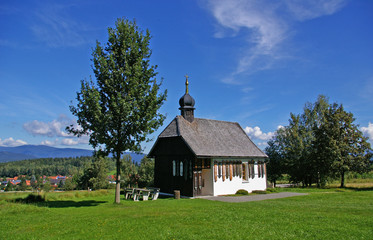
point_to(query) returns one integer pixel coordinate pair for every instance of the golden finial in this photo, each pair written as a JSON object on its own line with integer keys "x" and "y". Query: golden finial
{"x": 186, "y": 84}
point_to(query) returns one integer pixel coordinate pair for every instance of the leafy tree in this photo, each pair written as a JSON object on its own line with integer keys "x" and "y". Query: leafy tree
{"x": 47, "y": 185}
{"x": 275, "y": 152}
{"x": 69, "y": 184}
{"x": 9, "y": 187}
{"x": 320, "y": 143}
{"x": 22, "y": 185}
{"x": 121, "y": 109}
{"x": 99, "y": 173}
{"x": 130, "y": 171}
{"x": 61, "y": 184}
{"x": 341, "y": 145}
{"x": 146, "y": 172}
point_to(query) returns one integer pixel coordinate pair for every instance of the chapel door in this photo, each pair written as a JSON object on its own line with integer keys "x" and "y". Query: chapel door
{"x": 197, "y": 183}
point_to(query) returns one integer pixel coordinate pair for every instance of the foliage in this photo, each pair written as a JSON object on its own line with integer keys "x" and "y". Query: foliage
{"x": 121, "y": 109}
{"x": 321, "y": 143}
{"x": 129, "y": 172}
{"x": 341, "y": 145}
{"x": 9, "y": 187}
{"x": 95, "y": 177}
{"x": 146, "y": 172}
{"x": 46, "y": 166}
{"x": 22, "y": 185}
{"x": 46, "y": 186}
{"x": 242, "y": 192}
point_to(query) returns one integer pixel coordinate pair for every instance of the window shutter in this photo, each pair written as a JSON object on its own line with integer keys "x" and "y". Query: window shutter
{"x": 230, "y": 171}
{"x": 216, "y": 172}
{"x": 223, "y": 171}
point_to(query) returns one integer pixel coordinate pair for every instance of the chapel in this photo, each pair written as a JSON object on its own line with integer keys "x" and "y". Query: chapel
{"x": 204, "y": 157}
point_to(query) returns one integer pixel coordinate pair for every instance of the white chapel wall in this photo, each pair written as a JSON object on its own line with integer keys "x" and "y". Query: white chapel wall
{"x": 228, "y": 186}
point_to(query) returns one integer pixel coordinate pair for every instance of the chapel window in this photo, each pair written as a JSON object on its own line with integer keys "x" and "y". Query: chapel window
{"x": 244, "y": 172}
{"x": 174, "y": 168}
{"x": 181, "y": 168}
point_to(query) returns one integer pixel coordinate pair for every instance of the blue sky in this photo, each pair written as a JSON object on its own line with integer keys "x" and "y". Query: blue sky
{"x": 251, "y": 62}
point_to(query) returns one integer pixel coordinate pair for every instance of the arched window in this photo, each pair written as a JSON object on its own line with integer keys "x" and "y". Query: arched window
{"x": 219, "y": 170}
{"x": 174, "y": 168}
{"x": 181, "y": 168}
{"x": 227, "y": 170}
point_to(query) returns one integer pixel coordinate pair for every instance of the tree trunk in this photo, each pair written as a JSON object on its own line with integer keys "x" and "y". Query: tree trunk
{"x": 342, "y": 179}
{"x": 117, "y": 187}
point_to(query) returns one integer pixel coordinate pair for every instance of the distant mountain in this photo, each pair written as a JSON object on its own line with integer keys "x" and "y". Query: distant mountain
{"x": 39, "y": 151}
{"x": 9, "y": 154}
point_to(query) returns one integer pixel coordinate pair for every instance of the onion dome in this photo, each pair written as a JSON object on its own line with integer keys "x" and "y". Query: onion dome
{"x": 187, "y": 103}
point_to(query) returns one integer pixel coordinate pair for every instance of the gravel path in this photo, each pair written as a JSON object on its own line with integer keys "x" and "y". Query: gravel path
{"x": 250, "y": 198}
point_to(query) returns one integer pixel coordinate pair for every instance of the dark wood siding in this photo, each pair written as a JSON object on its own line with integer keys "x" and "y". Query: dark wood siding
{"x": 165, "y": 152}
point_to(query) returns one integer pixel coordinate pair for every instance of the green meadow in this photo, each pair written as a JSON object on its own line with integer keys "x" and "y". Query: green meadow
{"x": 322, "y": 214}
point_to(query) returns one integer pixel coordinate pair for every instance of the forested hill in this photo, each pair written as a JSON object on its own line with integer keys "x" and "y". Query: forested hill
{"x": 54, "y": 166}
{"x": 44, "y": 166}
{"x": 24, "y": 152}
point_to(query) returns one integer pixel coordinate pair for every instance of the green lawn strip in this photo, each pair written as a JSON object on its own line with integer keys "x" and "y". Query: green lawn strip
{"x": 319, "y": 215}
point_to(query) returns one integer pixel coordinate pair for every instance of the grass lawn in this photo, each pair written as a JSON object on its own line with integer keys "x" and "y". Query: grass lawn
{"x": 322, "y": 214}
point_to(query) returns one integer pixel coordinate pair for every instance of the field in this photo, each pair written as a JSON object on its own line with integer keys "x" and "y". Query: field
{"x": 322, "y": 214}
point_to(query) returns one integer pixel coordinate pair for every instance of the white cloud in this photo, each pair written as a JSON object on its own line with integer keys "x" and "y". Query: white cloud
{"x": 368, "y": 131}
{"x": 269, "y": 25}
{"x": 55, "y": 128}
{"x": 49, "y": 143}
{"x": 256, "y": 133}
{"x": 10, "y": 142}
{"x": 66, "y": 141}
{"x": 69, "y": 142}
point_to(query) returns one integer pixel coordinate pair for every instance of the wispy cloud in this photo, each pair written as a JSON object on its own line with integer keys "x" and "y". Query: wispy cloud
{"x": 56, "y": 27}
{"x": 10, "y": 142}
{"x": 267, "y": 25}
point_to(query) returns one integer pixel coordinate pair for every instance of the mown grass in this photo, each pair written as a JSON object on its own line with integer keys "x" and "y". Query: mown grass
{"x": 322, "y": 214}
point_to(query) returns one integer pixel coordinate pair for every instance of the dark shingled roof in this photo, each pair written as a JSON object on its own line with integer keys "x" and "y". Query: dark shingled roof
{"x": 212, "y": 138}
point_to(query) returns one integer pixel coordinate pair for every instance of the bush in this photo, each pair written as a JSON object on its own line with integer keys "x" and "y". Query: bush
{"x": 242, "y": 192}
{"x": 272, "y": 190}
{"x": 259, "y": 192}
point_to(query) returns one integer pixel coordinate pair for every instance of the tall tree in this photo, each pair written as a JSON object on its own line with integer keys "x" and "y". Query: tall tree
{"x": 341, "y": 144}
{"x": 130, "y": 171}
{"x": 275, "y": 152}
{"x": 146, "y": 172}
{"x": 120, "y": 110}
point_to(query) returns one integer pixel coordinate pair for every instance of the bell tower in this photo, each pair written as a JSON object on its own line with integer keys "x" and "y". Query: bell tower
{"x": 187, "y": 103}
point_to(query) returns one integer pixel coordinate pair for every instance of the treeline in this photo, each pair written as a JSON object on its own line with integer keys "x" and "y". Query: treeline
{"x": 48, "y": 166}
{"x": 83, "y": 173}
{"x": 95, "y": 176}
{"x": 320, "y": 144}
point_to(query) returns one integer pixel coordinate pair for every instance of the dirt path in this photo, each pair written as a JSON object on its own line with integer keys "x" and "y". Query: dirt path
{"x": 250, "y": 198}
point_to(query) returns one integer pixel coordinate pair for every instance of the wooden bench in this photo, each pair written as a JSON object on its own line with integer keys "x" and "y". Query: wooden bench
{"x": 141, "y": 192}
{"x": 128, "y": 192}
{"x": 154, "y": 193}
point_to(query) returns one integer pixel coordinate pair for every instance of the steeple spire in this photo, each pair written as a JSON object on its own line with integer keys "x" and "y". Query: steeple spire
{"x": 186, "y": 84}
{"x": 187, "y": 103}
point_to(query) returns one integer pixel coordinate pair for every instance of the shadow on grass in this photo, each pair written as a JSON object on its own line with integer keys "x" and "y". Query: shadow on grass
{"x": 66, "y": 204}
{"x": 41, "y": 202}
{"x": 359, "y": 189}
